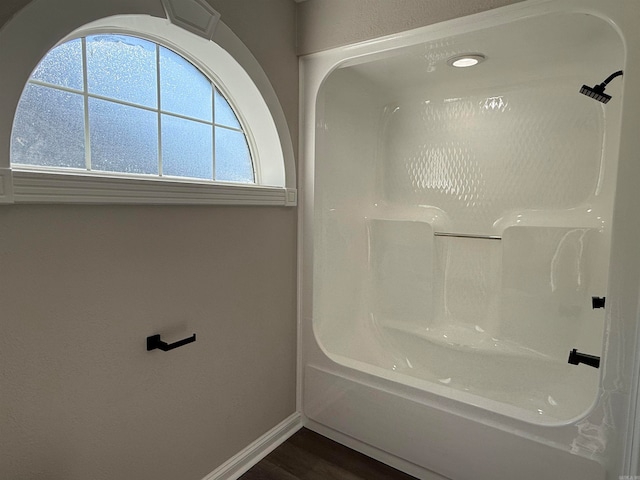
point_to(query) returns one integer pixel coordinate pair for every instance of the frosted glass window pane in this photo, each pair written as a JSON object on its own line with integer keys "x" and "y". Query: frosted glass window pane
{"x": 187, "y": 148}
{"x": 123, "y": 139}
{"x": 233, "y": 160}
{"x": 48, "y": 129}
{"x": 183, "y": 88}
{"x": 122, "y": 67}
{"x": 224, "y": 113}
{"x": 62, "y": 66}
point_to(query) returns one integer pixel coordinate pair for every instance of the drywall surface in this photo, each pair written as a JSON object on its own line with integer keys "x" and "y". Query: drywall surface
{"x": 324, "y": 24}
{"x": 8, "y": 8}
{"x": 81, "y": 287}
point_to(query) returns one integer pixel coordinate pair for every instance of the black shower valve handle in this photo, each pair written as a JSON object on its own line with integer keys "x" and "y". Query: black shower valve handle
{"x": 154, "y": 342}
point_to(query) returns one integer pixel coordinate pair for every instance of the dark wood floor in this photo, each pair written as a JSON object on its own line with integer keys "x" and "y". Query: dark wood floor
{"x": 309, "y": 456}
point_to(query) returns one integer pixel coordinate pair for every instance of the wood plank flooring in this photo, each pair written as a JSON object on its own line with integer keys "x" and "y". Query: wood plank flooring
{"x": 309, "y": 456}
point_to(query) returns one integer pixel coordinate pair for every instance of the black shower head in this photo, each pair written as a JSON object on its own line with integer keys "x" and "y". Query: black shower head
{"x": 597, "y": 91}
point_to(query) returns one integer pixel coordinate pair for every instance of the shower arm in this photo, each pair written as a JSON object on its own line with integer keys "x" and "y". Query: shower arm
{"x": 611, "y": 77}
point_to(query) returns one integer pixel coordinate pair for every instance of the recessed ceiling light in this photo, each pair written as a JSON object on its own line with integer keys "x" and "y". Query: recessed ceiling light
{"x": 466, "y": 60}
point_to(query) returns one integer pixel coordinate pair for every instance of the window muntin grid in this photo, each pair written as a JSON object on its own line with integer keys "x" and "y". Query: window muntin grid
{"x": 144, "y": 110}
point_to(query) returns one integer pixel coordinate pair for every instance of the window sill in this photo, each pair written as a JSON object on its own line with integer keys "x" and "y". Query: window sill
{"x": 19, "y": 186}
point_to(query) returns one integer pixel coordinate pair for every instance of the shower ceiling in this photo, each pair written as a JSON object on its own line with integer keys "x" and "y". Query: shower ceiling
{"x": 538, "y": 46}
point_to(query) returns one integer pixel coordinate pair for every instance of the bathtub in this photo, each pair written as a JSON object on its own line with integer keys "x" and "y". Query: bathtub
{"x": 458, "y": 237}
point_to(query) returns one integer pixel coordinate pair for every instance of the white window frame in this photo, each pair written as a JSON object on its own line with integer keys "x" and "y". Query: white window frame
{"x": 236, "y": 73}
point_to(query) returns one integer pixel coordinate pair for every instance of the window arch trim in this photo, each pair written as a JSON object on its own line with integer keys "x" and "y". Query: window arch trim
{"x": 241, "y": 74}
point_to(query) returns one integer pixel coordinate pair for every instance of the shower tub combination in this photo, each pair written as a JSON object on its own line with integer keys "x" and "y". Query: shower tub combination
{"x": 457, "y": 245}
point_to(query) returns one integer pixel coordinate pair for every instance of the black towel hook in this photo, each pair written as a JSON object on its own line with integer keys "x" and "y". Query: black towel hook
{"x": 154, "y": 342}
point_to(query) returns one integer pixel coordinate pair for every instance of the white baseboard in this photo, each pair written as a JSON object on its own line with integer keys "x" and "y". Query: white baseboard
{"x": 233, "y": 468}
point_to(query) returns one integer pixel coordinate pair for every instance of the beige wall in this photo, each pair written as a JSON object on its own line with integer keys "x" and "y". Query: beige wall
{"x": 81, "y": 287}
{"x": 8, "y": 8}
{"x": 324, "y": 24}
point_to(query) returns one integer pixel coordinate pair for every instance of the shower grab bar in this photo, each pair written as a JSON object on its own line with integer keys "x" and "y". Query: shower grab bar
{"x": 467, "y": 235}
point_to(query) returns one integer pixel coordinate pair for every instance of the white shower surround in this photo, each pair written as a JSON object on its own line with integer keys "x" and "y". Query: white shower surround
{"x": 397, "y": 146}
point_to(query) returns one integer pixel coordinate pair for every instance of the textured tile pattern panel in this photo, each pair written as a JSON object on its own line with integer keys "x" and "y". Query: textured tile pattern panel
{"x": 481, "y": 157}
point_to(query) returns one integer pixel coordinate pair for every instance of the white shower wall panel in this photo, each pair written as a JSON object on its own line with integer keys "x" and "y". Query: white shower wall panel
{"x": 520, "y": 168}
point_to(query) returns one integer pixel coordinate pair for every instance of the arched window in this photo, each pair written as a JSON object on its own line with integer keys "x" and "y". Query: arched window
{"x": 123, "y": 104}
{"x": 135, "y": 109}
